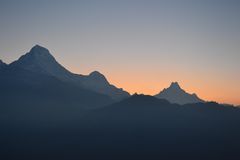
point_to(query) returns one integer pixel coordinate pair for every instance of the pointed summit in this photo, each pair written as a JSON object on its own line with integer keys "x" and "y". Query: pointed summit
{"x": 37, "y": 54}
{"x": 40, "y": 52}
{"x": 37, "y": 49}
{"x": 175, "y": 85}
{"x": 40, "y": 60}
{"x": 175, "y": 94}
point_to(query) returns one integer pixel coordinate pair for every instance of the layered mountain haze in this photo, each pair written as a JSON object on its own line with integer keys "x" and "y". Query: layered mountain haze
{"x": 119, "y": 80}
{"x": 39, "y": 60}
{"x": 175, "y": 94}
{"x": 47, "y": 112}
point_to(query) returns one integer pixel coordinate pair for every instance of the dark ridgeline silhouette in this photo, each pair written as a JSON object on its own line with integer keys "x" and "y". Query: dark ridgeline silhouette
{"x": 175, "y": 94}
{"x": 44, "y": 114}
{"x": 139, "y": 127}
{"x": 150, "y": 128}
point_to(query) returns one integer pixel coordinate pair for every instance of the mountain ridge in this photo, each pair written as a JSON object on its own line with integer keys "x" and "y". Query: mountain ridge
{"x": 22, "y": 91}
{"x": 40, "y": 60}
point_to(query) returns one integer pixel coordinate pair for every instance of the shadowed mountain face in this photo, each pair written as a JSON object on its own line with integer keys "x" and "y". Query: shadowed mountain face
{"x": 23, "y": 91}
{"x": 139, "y": 127}
{"x": 39, "y": 60}
{"x": 145, "y": 127}
{"x": 175, "y": 94}
{"x": 148, "y": 109}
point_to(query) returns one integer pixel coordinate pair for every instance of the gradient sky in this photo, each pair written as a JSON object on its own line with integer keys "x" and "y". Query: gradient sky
{"x": 139, "y": 45}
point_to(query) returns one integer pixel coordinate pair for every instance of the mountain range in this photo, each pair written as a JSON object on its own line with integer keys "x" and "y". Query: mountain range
{"x": 47, "y": 112}
{"x": 36, "y": 82}
{"x": 39, "y": 60}
{"x": 39, "y": 63}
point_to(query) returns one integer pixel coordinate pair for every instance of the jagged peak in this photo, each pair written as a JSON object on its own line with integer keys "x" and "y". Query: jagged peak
{"x": 175, "y": 94}
{"x": 175, "y": 85}
{"x": 40, "y": 51}
{"x": 36, "y": 53}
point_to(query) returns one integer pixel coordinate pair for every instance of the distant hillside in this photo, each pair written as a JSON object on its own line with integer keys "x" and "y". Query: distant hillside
{"x": 145, "y": 127}
{"x": 139, "y": 127}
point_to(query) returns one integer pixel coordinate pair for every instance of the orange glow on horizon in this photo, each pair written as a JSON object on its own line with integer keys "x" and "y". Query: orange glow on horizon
{"x": 152, "y": 83}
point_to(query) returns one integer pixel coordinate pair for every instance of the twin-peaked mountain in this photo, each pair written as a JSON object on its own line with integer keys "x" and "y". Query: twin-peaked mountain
{"x": 36, "y": 82}
{"x": 175, "y": 94}
{"x": 39, "y": 60}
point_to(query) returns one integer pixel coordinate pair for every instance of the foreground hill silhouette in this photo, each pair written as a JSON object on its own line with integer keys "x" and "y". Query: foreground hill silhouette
{"x": 139, "y": 127}
{"x": 175, "y": 94}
